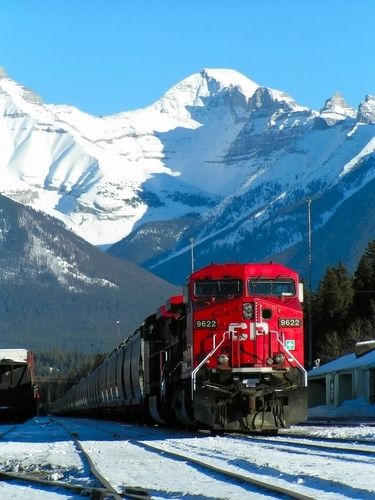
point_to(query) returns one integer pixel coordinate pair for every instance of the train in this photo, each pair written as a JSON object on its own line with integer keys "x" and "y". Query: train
{"x": 19, "y": 393}
{"x": 225, "y": 355}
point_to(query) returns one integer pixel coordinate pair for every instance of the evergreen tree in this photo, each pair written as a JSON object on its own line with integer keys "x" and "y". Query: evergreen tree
{"x": 331, "y": 306}
{"x": 334, "y": 346}
{"x": 364, "y": 285}
{"x": 57, "y": 371}
{"x": 358, "y": 330}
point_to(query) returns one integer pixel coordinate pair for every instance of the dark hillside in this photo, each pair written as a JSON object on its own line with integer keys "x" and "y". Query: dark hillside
{"x": 58, "y": 291}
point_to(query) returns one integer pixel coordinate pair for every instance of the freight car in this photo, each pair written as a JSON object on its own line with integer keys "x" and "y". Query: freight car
{"x": 18, "y": 392}
{"x": 227, "y": 355}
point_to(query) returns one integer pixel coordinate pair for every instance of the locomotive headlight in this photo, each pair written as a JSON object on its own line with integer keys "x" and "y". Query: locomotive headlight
{"x": 247, "y": 310}
{"x": 223, "y": 359}
{"x": 279, "y": 359}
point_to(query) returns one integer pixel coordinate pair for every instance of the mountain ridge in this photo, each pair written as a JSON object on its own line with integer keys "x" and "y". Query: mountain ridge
{"x": 232, "y": 157}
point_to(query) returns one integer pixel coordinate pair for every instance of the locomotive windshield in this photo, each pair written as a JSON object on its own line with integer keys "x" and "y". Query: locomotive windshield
{"x": 218, "y": 288}
{"x": 272, "y": 286}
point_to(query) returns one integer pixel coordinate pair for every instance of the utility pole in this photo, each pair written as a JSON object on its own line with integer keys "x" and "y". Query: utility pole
{"x": 310, "y": 360}
{"x": 118, "y": 330}
{"x": 192, "y": 253}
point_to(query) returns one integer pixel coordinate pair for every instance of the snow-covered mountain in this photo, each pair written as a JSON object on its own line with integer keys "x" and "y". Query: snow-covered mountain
{"x": 290, "y": 155}
{"x": 103, "y": 175}
{"x": 224, "y": 160}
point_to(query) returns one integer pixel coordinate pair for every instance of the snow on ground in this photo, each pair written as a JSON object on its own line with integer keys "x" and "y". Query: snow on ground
{"x": 43, "y": 451}
{"x": 360, "y": 431}
{"x": 42, "y": 444}
{"x": 352, "y": 408}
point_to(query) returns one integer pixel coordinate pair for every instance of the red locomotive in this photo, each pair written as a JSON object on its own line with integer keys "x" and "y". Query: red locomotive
{"x": 226, "y": 355}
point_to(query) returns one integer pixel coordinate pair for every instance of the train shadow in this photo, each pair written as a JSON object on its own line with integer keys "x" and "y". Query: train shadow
{"x": 44, "y": 429}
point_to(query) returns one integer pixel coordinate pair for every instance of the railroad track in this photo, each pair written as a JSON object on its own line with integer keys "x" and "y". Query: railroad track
{"x": 337, "y": 439}
{"x": 96, "y": 493}
{"x": 265, "y": 486}
{"x": 362, "y": 455}
{"x": 365, "y": 448}
{"x": 104, "y": 490}
{"x": 109, "y": 490}
{"x": 347, "y": 454}
{"x": 359, "y": 441}
{"x": 338, "y": 422}
{"x": 235, "y": 460}
{"x": 4, "y": 433}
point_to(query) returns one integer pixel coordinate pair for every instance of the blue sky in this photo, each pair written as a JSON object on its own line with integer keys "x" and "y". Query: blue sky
{"x": 116, "y": 55}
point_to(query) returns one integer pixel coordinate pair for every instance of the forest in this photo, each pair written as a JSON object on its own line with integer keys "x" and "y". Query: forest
{"x": 58, "y": 370}
{"x": 342, "y": 308}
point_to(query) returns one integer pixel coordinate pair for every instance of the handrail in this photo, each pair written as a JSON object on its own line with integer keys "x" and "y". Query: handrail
{"x": 292, "y": 356}
{"x": 194, "y": 372}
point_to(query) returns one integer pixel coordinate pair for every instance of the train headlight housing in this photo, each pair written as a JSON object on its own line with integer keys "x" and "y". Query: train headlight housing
{"x": 223, "y": 359}
{"x": 247, "y": 310}
{"x": 279, "y": 359}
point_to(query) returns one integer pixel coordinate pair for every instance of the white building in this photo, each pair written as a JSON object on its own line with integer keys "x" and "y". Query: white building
{"x": 344, "y": 387}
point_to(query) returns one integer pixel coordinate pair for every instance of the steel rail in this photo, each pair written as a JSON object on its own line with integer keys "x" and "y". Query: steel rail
{"x": 357, "y": 451}
{"x": 311, "y": 437}
{"x": 298, "y": 443}
{"x": 2, "y": 434}
{"x": 232, "y": 475}
{"x": 129, "y": 492}
{"x": 96, "y": 493}
{"x": 224, "y": 472}
{"x": 247, "y": 479}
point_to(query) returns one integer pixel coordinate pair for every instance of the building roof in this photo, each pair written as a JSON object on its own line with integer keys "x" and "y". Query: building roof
{"x": 18, "y": 355}
{"x": 344, "y": 364}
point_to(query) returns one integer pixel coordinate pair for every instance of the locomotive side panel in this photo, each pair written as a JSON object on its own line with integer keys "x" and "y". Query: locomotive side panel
{"x": 112, "y": 380}
{"x": 136, "y": 370}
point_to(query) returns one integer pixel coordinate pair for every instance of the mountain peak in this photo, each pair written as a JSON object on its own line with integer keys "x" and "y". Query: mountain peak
{"x": 366, "y": 110}
{"x": 262, "y": 98}
{"x": 336, "y": 109}
{"x": 271, "y": 100}
{"x": 194, "y": 89}
{"x": 17, "y": 93}
{"x": 229, "y": 78}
